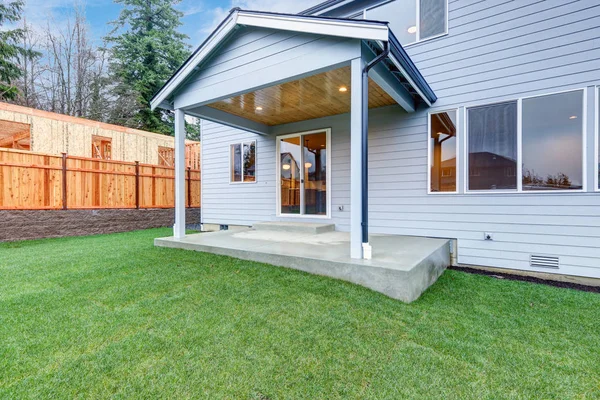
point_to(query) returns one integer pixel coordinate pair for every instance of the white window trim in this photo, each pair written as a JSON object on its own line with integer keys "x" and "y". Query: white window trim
{"x": 242, "y": 143}
{"x": 519, "y": 190}
{"x": 457, "y": 174}
{"x": 596, "y": 138}
{"x": 418, "y": 22}
{"x": 278, "y": 138}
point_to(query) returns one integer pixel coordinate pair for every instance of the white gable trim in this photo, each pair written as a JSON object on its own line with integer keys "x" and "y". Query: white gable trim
{"x": 330, "y": 27}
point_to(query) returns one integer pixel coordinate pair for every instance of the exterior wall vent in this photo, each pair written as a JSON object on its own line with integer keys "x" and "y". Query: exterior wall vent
{"x": 543, "y": 261}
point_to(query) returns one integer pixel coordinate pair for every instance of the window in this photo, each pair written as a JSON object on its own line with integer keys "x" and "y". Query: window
{"x": 404, "y": 14}
{"x": 243, "y": 162}
{"x": 492, "y": 146}
{"x": 101, "y": 147}
{"x": 166, "y": 156}
{"x": 553, "y": 142}
{"x": 549, "y": 155}
{"x": 442, "y": 151}
{"x": 303, "y": 165}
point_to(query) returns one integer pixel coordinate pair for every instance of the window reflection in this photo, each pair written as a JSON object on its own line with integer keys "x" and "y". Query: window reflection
{"x": 552, "y": 142}
{"x": 492, "y": 144}
{"x": 291, "y": 156}
{"x": 442, "y": 137}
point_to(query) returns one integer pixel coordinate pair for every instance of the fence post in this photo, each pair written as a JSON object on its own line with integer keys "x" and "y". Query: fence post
{"x": 64, "y": 181}
{"x": 189, "y": 186}
{"x": 137, "y": 185}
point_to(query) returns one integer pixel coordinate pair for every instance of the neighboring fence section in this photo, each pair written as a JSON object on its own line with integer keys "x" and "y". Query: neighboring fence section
{"x": 34, "y": 181}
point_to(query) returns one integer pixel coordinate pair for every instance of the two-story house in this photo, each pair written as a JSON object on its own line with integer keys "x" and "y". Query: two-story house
{"x": 464, "y": 119}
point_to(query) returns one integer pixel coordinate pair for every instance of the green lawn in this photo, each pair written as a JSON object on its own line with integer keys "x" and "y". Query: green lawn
{"x": 112, "y": 316}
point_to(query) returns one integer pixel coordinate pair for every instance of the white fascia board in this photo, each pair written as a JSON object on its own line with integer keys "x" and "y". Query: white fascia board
{"x": 329, "y": 27}
{"x": 188, "y": 68}
{"x": 397, "y": 64}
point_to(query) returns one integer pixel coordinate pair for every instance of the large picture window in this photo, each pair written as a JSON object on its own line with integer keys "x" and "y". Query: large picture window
{"x": 442, "y": 151}
{"x": 413, "y": 20}
{"x": 243, "y": 162}
{"x": 541, "y": 150}
{"x": 553, "y": 142}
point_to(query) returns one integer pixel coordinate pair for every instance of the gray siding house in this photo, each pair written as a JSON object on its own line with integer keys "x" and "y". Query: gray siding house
{"x": 482, "y": 124}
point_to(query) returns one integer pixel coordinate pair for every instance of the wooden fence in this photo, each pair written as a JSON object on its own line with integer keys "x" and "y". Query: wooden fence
{"x": 34, "y": 181}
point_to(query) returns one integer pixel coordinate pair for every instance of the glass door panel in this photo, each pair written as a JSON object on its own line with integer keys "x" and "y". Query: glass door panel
{"x": 315, "y": 173}
{"x": 290, "y": 154}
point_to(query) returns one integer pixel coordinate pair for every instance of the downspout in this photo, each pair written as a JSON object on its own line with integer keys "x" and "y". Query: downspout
{"x": 365, "y": 146}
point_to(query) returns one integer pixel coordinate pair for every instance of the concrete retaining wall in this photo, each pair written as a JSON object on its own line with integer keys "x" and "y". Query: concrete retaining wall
{"x": 37, "y": 224}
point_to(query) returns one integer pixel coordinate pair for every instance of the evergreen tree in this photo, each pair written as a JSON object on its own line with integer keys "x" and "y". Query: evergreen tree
{"x": 146, "y": 49}
{"x": 10, "y": 49}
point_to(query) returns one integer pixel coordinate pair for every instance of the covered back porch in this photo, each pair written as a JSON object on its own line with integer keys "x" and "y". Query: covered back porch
{"x": 267, "y": 74}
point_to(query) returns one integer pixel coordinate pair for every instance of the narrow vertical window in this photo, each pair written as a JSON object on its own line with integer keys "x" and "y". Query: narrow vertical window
{"x": 598, "y": 138}
{"x": 492, "y": 147}
{"x": 442, "y": 151}
{"x": 553, "y": 142}
{"x": 243, "y": 162}
{"x": 432, "y": 18}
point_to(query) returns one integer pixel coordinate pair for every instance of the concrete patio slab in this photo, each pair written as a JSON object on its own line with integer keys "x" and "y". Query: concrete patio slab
{"x": 402, "y": 267}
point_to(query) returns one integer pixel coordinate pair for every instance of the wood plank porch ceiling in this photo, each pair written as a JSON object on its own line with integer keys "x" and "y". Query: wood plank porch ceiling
{"x": 308, "y": 98}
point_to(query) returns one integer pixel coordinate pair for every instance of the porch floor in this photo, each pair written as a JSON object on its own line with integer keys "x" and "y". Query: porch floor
{"x": 402, "y": 267}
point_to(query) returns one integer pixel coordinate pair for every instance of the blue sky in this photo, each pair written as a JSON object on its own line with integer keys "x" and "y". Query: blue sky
{"x": 201, "y": 16}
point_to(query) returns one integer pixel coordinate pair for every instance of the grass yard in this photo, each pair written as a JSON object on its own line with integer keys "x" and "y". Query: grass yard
{"x": 112, "y": 316}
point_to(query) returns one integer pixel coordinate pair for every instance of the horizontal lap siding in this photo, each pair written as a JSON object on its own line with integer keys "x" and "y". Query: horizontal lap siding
{"x": 235, "y": 204}
{"x": 245, "y": 204}
{"x": 565, "y": 225}
{"x": 501, "y": 49}
{"x": 495, "y": 50}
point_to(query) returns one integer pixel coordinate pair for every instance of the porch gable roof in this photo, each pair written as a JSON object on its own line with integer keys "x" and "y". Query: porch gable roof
{"x": 374, "y": 32}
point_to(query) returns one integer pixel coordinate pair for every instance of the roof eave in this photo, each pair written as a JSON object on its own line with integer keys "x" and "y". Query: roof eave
{"x": 410, "y": 71}
{"x": 359, "y": 29}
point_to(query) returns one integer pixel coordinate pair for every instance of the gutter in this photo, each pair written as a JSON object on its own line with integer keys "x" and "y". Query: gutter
{"x": 365, "y": 149}
{"x": 413, "y": 75}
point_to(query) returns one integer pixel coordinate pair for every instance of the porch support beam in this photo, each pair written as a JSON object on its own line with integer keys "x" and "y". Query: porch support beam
{"x": 356, "y": 170}
{"x": 179, "y": 227}
{"x": 225, "y": 118}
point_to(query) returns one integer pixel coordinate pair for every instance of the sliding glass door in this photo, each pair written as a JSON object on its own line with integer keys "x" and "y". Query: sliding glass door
{"x": 303, "y": 169}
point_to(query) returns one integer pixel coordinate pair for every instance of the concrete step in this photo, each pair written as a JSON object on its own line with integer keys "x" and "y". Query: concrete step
{"x": 297, "y": 227}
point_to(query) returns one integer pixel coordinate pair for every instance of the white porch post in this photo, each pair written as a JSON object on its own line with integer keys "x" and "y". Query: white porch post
{"x": 179, "y": 227}
{"x": 356, "y": 118}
